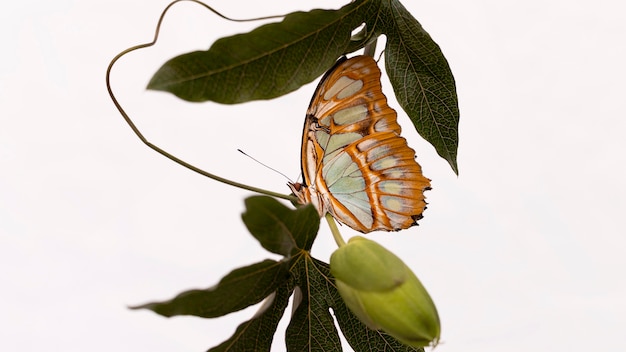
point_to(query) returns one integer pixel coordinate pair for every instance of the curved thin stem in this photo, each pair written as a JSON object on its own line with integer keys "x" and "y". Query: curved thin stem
{"x": 334, "y": 230}
{"x": 156, "y": 148}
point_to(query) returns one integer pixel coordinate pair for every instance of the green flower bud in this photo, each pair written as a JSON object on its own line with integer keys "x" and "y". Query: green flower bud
{"x": 384, "y": 293}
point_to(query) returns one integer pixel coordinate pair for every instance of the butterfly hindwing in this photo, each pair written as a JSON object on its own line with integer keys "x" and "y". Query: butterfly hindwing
{"x": 356, "y": 165}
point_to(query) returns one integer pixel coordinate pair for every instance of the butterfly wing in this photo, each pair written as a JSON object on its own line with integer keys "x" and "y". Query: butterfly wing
{"x": 355, "y": 164}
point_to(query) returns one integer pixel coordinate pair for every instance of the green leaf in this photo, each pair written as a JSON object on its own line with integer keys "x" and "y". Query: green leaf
{"x": 239, "y": 289}
{"x": 268, "y": 62}
{"x": 312, "y": 327}
{"x": 257, "y": 333}
{"x": 279, "y": 229}
{"x": 422, "y": 80}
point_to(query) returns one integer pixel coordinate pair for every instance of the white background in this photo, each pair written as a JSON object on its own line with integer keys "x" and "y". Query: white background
{"x": 523, "y": 251}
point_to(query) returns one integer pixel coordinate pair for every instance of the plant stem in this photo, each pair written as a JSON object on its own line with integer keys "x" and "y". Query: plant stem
{"x": 335, "y": 230}
{"x": 156, "y": 148}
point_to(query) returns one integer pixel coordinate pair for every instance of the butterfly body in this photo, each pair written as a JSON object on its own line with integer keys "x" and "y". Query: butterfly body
{"x": 355, "y": 164}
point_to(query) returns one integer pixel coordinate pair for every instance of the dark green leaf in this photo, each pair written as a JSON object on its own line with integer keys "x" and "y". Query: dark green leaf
{"x": 256, "y": 334}
{"x": 422, "y": 80}
{"x": 279, "y": 229}
{"x": 265, "y": 63}
{"x": 312, "y": 327}
{"x": 239, "y": 289}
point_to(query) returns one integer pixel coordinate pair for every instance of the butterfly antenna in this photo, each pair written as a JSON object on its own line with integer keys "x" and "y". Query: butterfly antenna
{"x": 271, "y": 168}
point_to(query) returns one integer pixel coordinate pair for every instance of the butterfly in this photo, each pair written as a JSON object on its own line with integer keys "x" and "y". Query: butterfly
{"x": 355, "y": 164}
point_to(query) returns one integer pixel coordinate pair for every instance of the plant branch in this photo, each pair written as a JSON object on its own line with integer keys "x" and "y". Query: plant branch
{"x": 334, "y": 230}
{"x": 155, "y": 147}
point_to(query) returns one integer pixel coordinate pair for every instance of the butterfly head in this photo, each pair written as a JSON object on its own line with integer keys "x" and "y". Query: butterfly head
{"x": 297, "y": 189}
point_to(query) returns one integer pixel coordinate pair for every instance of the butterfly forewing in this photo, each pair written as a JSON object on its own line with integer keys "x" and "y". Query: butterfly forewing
{"x": 355, "y": 164}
